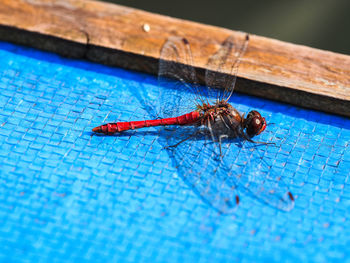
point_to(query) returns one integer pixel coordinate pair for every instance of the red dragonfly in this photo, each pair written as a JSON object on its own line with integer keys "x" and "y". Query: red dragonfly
{"x": 209, "y": 126}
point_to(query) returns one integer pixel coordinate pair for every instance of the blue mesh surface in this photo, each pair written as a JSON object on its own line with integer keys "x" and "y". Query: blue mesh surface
{"x": 68, "y": 196}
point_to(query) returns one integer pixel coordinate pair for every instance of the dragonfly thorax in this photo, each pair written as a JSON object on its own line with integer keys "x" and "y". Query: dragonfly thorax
{"x": 222, "y": 119}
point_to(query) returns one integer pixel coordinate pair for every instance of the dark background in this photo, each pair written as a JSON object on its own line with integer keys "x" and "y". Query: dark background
{"x": 323, "y": 24}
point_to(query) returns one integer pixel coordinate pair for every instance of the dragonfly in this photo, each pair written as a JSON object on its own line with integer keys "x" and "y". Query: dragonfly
{"x": 202, "y": 126}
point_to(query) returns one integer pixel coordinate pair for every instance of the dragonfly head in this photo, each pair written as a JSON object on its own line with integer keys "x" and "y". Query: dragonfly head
{"x": 254, "y": 123}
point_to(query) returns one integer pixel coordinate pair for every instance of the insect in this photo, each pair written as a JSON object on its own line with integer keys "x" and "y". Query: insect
{"x": 211, "y": 117}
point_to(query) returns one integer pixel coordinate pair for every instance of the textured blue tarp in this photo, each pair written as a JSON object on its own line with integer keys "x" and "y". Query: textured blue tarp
{"x": 68, "y": 196}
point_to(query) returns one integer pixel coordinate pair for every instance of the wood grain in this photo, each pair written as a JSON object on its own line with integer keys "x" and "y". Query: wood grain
{"x": 114, "y": 35}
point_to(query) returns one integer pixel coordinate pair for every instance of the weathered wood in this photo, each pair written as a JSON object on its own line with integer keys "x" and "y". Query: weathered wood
{"x": 115, "y": 35}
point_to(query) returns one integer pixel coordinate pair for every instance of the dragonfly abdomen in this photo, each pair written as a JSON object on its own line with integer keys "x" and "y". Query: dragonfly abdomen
{"x": 111, "y": 128}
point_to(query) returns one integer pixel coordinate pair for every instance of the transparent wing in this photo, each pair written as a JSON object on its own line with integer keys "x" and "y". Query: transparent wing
{"x": 180, "y": 93}
{"x": 177, "y": 78}
{"x": 252, "y": 171}
{"x": 222, "y": 67}
{"x": 220, "y": 181}
{"x": 198, "y": 162}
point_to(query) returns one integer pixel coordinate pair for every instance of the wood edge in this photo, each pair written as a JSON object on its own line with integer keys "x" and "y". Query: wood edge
{"x": 43, "y": 42}
{"x": 297, "y": 98}
{"x": 120, "y": 58}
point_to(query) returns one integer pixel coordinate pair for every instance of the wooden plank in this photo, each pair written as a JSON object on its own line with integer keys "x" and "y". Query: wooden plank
{"x": 114, "y": 35}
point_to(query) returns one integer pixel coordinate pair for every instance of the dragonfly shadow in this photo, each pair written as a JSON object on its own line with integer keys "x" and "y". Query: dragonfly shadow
{"x": 218, "y": 181}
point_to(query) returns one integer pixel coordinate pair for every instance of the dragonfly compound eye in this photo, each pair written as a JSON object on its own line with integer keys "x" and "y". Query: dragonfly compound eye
{"x": 254, "y": 123}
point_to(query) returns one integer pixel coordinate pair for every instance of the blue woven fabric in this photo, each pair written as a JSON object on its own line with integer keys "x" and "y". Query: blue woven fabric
{"x": 67, "y": 196}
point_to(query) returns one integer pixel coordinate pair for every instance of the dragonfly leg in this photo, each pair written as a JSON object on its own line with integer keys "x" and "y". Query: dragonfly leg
{"x": 210, "y": 130}
{"x": 263, "y": 143}
{"x": 183, "y": 140}
{"x": 213, "y": 137}
{"x": 220, "y": 139}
